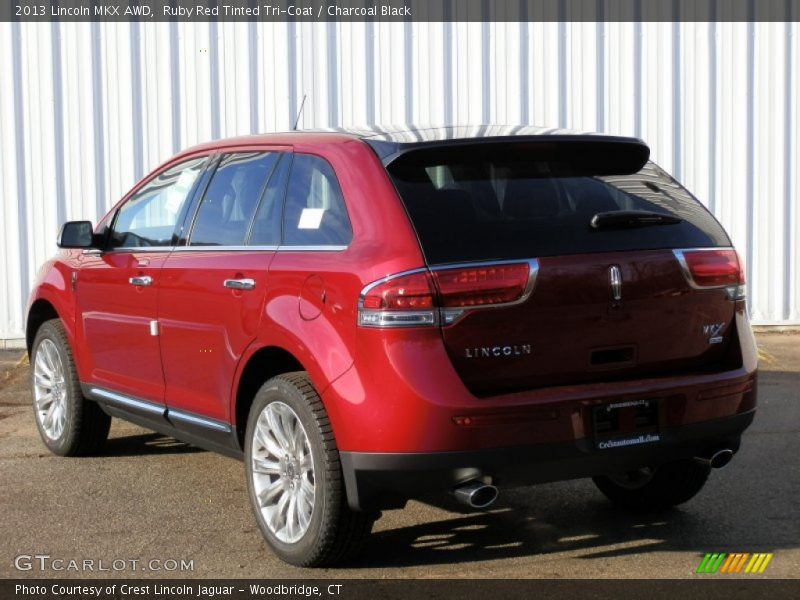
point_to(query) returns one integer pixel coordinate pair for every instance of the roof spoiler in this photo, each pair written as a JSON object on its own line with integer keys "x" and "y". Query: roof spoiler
{"x": 567, "y": 155}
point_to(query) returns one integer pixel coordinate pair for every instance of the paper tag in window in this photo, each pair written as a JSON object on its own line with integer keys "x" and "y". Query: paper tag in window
{"x": 310, "y": 218}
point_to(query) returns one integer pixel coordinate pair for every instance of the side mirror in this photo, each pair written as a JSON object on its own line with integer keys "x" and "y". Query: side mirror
{"x": 76, "y": 234}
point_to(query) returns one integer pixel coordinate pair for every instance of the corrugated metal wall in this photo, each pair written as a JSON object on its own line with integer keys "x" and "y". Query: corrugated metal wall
{"x": 86, "y": 109}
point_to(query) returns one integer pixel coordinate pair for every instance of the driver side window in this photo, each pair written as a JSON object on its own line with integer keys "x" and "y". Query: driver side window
{"x": 149, "y": 217}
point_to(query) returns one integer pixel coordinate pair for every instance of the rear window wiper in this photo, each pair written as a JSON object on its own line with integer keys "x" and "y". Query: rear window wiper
{"x": 621, "y": 219}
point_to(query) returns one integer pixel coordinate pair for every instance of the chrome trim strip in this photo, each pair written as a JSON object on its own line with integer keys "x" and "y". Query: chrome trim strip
{"x": 128, "y": 402}
{"x": 156, "y": 409}
{"x": 225, "y": 248}
{"x": 397, "y": 318}
{"x": 688, "y": 274}
{"x": 285, "y": 248}
{"x": 139, "y": 249}
{"x": 615, "y": 280}
{"x": 282, "y": 248}
{"x": 187, "y": 417}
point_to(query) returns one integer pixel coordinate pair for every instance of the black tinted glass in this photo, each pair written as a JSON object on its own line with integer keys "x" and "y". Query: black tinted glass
{"x": 148, "y": 218}
{"x": 267, "y": 225}
{"x": 511, "y": 206}
{"x": 231, "y": 199}
{"x": 314, "y": 214}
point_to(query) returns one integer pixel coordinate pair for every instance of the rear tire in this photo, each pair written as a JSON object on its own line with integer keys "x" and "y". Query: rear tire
{"x": 294, "y": 477}
{"x": 655, "y": 489}
{"x": 69, "y": 424}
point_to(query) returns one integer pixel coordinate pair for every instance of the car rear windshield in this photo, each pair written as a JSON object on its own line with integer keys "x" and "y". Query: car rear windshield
{"x": 507, "y": 201}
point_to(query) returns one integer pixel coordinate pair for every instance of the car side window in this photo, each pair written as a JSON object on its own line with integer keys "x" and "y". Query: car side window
{"x": 231, "y": 199}
{"x": 149, "y": 217}
{"x": 314, "y": 213}
{"x": 267, "y": 224}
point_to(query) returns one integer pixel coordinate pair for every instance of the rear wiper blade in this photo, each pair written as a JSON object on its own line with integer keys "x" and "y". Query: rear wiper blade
{"x": 620, "y": 219}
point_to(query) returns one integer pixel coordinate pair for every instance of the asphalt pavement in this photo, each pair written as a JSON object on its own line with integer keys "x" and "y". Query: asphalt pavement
{"x": 153, "y": 500}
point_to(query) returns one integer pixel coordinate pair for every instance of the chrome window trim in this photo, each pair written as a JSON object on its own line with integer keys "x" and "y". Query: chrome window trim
{"x": 138, "y": 249}
{"x": 449, "y": 316}
{"x": 94, "y": 251}
{"x": 225, "y": 248}
{"x": 331, "y": 248}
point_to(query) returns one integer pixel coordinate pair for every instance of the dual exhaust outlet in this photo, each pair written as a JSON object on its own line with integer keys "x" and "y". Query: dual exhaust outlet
{"x": 481, "y": 495}
{"x": 717, "y": 459}
{"x": 476, "y": 494}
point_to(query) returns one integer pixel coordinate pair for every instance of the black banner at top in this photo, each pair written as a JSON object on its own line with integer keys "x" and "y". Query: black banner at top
{"x": 399, "y": 10}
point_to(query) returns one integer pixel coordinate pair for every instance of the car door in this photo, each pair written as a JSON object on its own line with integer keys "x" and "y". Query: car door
{"x": 311, "y": 280}
{"x": 213, "y": 286}
{"x": 116, "y": 288}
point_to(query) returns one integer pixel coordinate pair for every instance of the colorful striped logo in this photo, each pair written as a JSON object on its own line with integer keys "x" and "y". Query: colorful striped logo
{"x": 741, "y": 562}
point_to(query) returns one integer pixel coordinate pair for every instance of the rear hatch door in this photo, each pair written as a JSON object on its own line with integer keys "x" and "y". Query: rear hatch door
{"x": 609, "y": 295}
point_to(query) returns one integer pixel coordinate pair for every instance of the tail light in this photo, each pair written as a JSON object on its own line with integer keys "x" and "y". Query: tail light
{"x": 443, "y": 295}
{"x": 406, "y": 300}
{"x": 714, "y": 268}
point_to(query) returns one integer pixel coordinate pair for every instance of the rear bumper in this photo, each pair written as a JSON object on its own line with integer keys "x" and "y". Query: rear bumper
{"x": 376, "y": 481}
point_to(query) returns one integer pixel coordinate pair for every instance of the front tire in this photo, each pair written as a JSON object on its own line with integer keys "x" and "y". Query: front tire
{"x": 68, "y": 423}
{"x": 294, "y": 476}
{"x": 655, "y": 489}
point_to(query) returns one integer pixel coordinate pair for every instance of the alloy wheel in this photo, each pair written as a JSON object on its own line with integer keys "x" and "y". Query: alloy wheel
{"x": 49, "y": 389}
{"x": 283, "y": 472}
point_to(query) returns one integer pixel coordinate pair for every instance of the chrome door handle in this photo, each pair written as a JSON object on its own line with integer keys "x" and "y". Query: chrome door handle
{"x": 240, "y": 284}
{"x": 143, "y": 280}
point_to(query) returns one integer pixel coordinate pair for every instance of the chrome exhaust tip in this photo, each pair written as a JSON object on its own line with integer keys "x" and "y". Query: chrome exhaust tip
{"x": 718, "y": 459}
{"x": 476, "y": 494}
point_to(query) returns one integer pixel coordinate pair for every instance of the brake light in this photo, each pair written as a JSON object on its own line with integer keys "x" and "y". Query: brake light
{"x": 408, "y": 292}
{"x": 714, "y": 268}
{"x": 424, "y": 298}
{"x": 402, "y": 301}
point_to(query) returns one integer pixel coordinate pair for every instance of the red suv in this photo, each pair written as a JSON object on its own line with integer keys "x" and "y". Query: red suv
{"x": 367, "y": 317}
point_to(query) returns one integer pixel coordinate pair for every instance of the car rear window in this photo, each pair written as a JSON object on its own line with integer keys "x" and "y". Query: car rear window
{"x": 493, "y": 202}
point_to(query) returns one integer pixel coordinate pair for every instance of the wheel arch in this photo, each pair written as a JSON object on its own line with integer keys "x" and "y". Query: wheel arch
{"x": 263, "y": 364}
{"x": 41, "y": 311}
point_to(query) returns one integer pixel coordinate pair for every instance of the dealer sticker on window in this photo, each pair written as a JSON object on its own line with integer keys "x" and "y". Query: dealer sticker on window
{"x": 310, "y": 218}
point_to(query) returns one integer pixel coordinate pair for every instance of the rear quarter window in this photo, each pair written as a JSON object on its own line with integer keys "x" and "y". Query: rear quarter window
{"x": 314, "y": 213}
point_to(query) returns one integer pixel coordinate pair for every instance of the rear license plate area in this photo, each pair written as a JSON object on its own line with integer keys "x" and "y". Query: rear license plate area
{"x": 627, "y": 423}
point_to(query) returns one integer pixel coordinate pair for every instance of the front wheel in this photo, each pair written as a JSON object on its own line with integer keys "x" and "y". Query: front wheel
{"x": 294, "y": 476}
{"x": 69, "y": 424}
{"x": 656, "y": 488}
